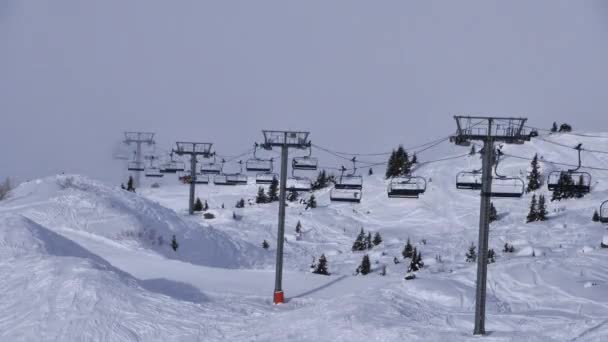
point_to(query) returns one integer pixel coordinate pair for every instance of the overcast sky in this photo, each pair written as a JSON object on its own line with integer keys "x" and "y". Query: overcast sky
{"x": 360, "y": 75}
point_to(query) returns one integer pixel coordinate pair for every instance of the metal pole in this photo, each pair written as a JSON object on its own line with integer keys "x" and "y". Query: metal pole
{"x": 192, "y": 183}
{"x": 484, "y": 230}
{"x": 279, "y": 297}
{"x": 138, "y": 160}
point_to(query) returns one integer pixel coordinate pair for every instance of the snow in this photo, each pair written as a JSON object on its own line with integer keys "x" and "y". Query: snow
{"x": 81, "y": 260}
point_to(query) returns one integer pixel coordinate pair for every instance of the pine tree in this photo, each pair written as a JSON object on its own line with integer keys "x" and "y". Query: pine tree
{"x": 541, "y": 211}
{"x": 491, "y": 256}
{"x": 395, "y": 260}
{"x": 198, "y": 205}
{"x": 473, "y": 150}
{"x": 174, "y": 244}
{"x": 312, "y": 202}
{"x": 130, "y": 186}
{"x": 565, "y": 128}
{"x": 493, "y": 213}
{"x": 240, "y": 203}
{"x": 368, "y": 241}
{"x": 265, "y": 244}
{"x": 292, "y": 196}
{"x": 273, "y": 190}
{"x": 596, "y": 216}
{"x": 408, "y": 250}
{"x": 532, "y": 213}
{"x": 377, "y": 239}
{"x": 471, "y": 254}
{"x": 299, "y": 228}
{"x": 370, "y": 171}
{"x": 366, "y": 266}
{"x": 566, "y": 188}
{"x": 416, "y": 263}
{"x": 321, "y": 267}
{"x": 508, "y": 248}
{"x": 359, "y": 244}
{"x": 392, "y": 169}
{"x": 414, "y": 159}
{"x": 261, "y": 197}
{"x": 321, "y": 182}
{"x": 403, "y": 162}
{"x": 534, "y": 182}
{"x": 554, "y": 127}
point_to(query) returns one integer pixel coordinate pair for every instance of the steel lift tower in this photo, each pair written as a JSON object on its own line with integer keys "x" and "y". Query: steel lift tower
{"x": 488, "y": 130}
{"x": 284, "y": 140}
{"x": 193, "y": 149}
{"x": 139, "y": 138}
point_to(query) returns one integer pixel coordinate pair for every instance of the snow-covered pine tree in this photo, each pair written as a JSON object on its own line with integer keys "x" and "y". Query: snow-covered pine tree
{"x": 130, "y": 186}
{"x": 273, "y": 190}
{"x": 403, "y": 162}
{"x": 366, "y": 265}
{"x": 532, "y": 213}
{"x": 321, "y": 182}
{"x": 541, "y": 211}
{"x": 414, "y": 265}
{"x": 596, "y": 216}
{"x": 174, "y": 244}
{"x": 565, "y": 128}
{"x": 471, "y": 255}
{"x": 491, "y": 256}
{"x": 359, "y": 244}
{"x": 408, "y": 249}
{"x": 198, "y": 205}
{"x": 414, "y": 159}
{"x": 508, "y": 248}
{"x": 321, "y": 267}
{"x": 368, "y": 241}
{"x": 493, "y": 213}
{"x": 395, "y": 260}
{"x": 392, "y": 169}
{"x": 377, "y": 239}
{"x": 293, "y": 195}
{"x": 534, "y": 182}
{"x": 265, "y": 244}
{"x": 240, "y": 203}
{"x": 298, "y": 228}
{"x": 370, "y": 171}
{"x": 261, "y": 197}
{"x": 554, "y": 127}
{"x": 312, "y": 202}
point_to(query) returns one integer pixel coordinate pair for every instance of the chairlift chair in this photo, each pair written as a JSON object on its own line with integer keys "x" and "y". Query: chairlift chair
{"x": 503, "y": 186}
{"x": 257, "y": 164}
{"x": 468, "y": 180}
{"x": 221, "y": 179}
{"x": 201, "y": 179}
{"x": 604, "y": 212}
{"x": 299, "y": 184}
{"x": 307, "y": 163}
{"x": 236, "y": 179}
{"x": 153, "y": 172}
{"x": 406, "y": 187}
{"x": 172, "y": 166}
{"x": 581, "y": 181}
{"x": 350, "y": 181}
{"x": 345, "y": 195}
{"x": 135, "y": 166}
{"x": 265, "y": 177}
{"x": 212, "y": 168}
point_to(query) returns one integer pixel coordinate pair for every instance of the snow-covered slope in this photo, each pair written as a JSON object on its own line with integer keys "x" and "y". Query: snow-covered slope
{"x": 554, "y": 287}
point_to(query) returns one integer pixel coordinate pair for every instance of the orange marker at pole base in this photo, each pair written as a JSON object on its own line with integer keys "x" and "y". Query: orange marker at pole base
{"x": 279, "y": 297}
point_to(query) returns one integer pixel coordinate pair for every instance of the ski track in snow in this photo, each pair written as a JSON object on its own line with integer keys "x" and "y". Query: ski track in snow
{"x": 80, "y": 263}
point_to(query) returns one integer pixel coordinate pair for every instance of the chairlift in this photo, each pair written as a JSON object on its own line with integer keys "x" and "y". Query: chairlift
{"x": 604, "y": 212}
{"x": 172, "y": 166}
{"x": 221, "y": 179}
{"x": 468, "y": 180}
{"x": 212, "y": 168}
{"x": 406, "y": 187}
{"x": 135, "y": 166}
{"x": 265, "y": 177}
{"x": 503, "y": 186}
{"x": 201, "y": 179}
{"x": 236, "y": 179}
{"x": 577, "y": 181}
{"x": 350, "y": 181}
{"x": 257, "y": 164}
{"x": 307, "y": 163}
{"x": 345, "y": 195}
{"x": 152, "y": 171}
